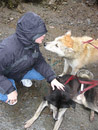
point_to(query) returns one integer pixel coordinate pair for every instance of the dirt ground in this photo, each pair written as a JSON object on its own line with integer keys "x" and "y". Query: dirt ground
{"x": 72, "y": 15}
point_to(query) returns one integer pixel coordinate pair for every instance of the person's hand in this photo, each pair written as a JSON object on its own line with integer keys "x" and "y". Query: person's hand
{"x": 56, "y": 83}
{"x": 12, "y": 97}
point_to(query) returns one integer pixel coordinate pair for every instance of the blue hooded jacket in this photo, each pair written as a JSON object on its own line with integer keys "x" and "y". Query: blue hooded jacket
{"x": 19, "y": 53}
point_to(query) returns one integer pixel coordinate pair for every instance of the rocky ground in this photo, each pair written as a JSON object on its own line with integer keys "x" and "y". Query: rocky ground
{"x": 72, "y": 15}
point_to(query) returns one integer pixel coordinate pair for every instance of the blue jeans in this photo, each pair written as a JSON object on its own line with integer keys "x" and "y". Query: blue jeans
{"x": 32, "y": 74}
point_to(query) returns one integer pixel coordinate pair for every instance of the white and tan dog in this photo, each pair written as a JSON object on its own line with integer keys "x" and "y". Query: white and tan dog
{"x": 77, "y": 51}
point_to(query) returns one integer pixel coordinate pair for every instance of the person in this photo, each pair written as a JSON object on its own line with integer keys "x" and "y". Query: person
{"x": 21, "y": 59}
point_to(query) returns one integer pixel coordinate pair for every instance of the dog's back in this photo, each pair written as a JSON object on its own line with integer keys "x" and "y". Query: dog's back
{"x": 84, "y": 48}
{"x": 91, "y": 97}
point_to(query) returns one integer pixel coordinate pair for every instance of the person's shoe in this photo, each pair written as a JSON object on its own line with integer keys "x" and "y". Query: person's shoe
{"x": 26, "y": 82}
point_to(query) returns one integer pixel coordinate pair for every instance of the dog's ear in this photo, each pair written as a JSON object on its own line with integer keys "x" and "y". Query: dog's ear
{"x": 67, "y": 40}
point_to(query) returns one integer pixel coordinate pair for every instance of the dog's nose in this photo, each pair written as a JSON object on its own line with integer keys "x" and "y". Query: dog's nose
{"x": 44, "y": 44}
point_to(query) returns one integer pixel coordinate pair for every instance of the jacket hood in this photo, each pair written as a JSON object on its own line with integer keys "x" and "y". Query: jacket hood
{"x": 28, "y": 26}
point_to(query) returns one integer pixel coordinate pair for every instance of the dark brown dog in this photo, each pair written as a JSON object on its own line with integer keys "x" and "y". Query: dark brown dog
{"x": 59, "y": 101}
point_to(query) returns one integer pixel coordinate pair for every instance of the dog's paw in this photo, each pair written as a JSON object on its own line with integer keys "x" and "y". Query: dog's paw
{"x": 28, "y": 124}
{"x": 92, "y": 116}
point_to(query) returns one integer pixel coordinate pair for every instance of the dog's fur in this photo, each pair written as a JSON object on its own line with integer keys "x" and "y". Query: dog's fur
{"x": 59, "y": 100}
{"x": 75, "y": 53}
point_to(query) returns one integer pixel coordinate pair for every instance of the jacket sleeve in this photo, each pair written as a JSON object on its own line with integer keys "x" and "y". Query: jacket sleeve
{"x": 5, "y": 84}
{"x": 44, "y": 69}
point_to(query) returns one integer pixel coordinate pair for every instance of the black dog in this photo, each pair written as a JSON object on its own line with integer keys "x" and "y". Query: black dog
{"x": 76, "y": 91}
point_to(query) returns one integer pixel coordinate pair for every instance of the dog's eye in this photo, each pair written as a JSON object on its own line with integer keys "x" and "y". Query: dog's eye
{"x": 56, "y": 45}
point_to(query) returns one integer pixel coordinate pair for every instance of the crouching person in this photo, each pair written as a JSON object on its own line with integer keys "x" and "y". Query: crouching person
{"x": 21, "y": 59}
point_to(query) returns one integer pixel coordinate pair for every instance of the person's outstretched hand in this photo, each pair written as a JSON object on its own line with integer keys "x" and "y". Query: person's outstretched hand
{"x": 56, "y": 83}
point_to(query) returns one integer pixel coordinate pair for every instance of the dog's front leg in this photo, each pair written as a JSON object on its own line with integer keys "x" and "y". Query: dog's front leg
{"x": 60, "y": 118}
{"x": 66, "y": 66}
{"x": 36, "y": 115}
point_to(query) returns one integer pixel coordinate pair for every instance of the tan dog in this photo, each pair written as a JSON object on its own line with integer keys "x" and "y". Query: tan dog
{"x": 77, "y": 51}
